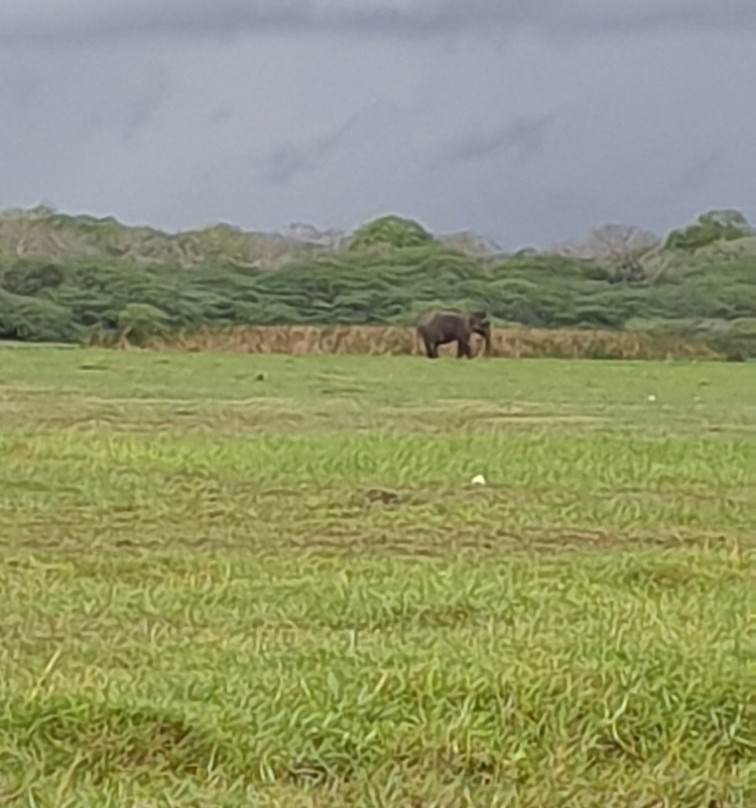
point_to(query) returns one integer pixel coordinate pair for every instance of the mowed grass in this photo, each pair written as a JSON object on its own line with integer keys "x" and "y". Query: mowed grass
{"x": 267, "y": 581}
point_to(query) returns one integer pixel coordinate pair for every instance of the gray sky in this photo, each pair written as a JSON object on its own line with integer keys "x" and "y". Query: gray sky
{"x": 530, "y": 121}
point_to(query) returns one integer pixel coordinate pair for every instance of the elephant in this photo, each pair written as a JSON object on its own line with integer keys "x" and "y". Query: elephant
{"x": 440, "y": 327}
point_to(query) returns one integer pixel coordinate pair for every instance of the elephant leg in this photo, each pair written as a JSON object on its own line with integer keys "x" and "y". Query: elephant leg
{"x": 463, "y": 349}
{"x": 430, "y": 348}
{"x": 427, "y": 344}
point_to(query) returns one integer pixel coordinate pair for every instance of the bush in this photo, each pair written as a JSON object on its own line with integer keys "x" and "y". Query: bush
{"x": 715, "y": 225}
{"x": 138, "y": 322}
{"x": 390, "y": 231}
{"x": 31, "y": 279}
{"x": 36, "y": 320}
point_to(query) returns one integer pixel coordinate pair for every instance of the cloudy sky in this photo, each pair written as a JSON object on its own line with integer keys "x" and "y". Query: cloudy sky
{"x": 530, "y": 121}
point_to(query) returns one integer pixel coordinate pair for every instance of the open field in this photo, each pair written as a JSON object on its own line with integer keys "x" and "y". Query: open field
{"x": 266, "y": 581}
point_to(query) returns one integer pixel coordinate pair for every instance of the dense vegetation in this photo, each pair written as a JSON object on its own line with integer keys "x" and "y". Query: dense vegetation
{"x": 710, "y": 227}
{"x": 390, "y": 271}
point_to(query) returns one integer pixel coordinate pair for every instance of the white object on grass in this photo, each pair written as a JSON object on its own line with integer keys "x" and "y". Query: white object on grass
{"x": 652, "y": 397}
{"x": 478, "y": 479}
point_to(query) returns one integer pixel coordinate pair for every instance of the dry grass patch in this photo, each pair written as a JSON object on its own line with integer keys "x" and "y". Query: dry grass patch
{"x": 398, "y": 341}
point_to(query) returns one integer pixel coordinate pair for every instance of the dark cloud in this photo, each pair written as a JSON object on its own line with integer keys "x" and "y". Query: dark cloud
{"x": 220, "y": 115}
{"x": 335, "y": 111}
{"x": 59, "y": 21}
{"x": 142, "y": 109}
{"x": 285, "y": 162}
{"x": 288, "y": 160}
{"x": 519, "y": 139}
{"x": 700, "y": 172}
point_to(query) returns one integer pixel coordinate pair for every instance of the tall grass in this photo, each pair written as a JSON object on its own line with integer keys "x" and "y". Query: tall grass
{"x": 400, "y": 341}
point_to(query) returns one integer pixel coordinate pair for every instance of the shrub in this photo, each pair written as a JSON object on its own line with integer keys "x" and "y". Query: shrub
{"x": 36, "y": 320}
{"x": 715, "y": 225}
{"x": 138, "y": 322}
{"x": 390, "y": 231}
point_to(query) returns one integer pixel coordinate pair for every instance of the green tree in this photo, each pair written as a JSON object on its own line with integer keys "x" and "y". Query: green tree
{"x": 139, "y": 321}
{"x": 714, "y": 225}
{"x": 390, "y": 231}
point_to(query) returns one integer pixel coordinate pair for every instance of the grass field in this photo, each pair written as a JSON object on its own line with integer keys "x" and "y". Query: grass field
{"x": 267, "y": 581}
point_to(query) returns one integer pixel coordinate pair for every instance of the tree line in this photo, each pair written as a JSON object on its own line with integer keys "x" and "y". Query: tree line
{"x": 391, "y": 271}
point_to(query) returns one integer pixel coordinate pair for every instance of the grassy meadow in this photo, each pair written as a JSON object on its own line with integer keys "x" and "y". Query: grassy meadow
{"x": 267, "y": 581}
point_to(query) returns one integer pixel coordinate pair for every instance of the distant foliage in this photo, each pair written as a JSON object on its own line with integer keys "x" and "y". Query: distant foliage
{"x": 138, "y": 322}
{"x": 37, "y": 319}
{"x": 390, "y": 231}
{"x": 610, "y": 242}
{"x": 32, "y": 279}
{"x": 125, "y": 299}
{"x": 716, "y": 225}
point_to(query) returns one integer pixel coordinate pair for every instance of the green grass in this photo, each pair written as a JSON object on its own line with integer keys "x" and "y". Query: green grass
{"x": 267, "y": 581}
